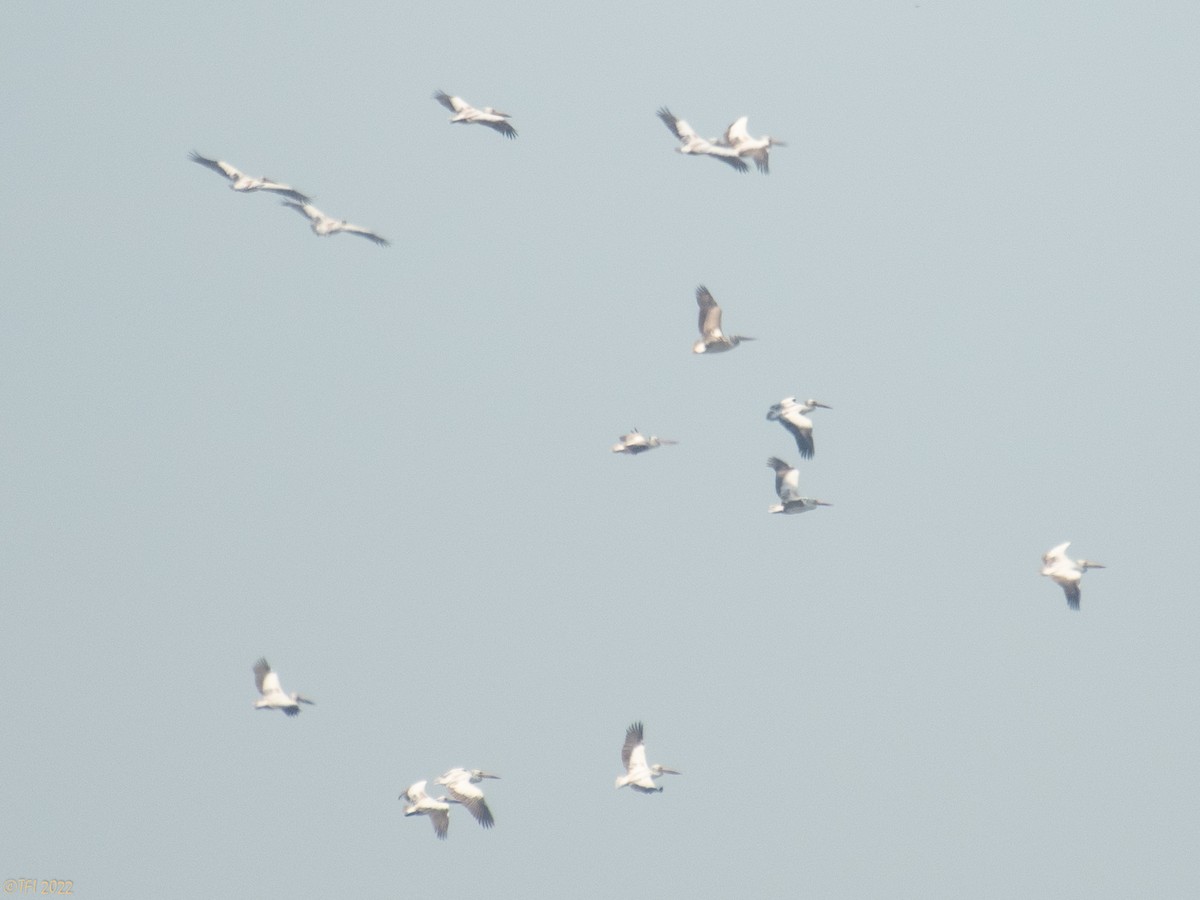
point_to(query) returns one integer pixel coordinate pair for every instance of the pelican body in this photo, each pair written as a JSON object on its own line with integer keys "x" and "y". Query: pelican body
{"x": 273, "y": 695}
{"x": 466, "y": 114}
{"x": 635, "y": 442}
{"x": 323, "y": 225}
{"x": 739, "y": 140}
{"x": 421, "y": 804}
{"x": 638, "y": 774}
{"x": 461, "y": 785}
{"x": 793, "y": 416}
{"x": 242, "y": 183}
{"x": 1066, "y": 572}
{"x": 691, "y": 144}
{"x": 712, "y": 338}
{"x": 787, "y": 486}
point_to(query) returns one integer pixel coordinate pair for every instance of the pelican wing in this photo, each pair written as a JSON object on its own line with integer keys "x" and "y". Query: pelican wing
{"x": 681, "y": 129}
{"x": 1056, "y": 554}
{"x": 801, "y": 431}
{"x": 365, "y": 232}
{"x": 307, "y": 210}
{"x": 285, "y": 190}
{"x": 633, "y": 751}
{"x": 266, "y": 680}
{"x": 454, "y": 104}
{"x": 732, "y": 159}
{"x": 1071, "y": 589}
{"x": 217, "y": 165}
{"x": 440, "y": 819}
{"x": 416, "y": 792}
{"x": 472, "y": 798}
{"x": 710, "y": 313}
{"x": 501, "y": 126}
{"x": 737, "y": 133}
{"x": 787, "y": 479}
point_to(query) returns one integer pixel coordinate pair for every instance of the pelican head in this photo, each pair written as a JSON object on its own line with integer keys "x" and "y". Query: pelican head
{"x": 1088, "y": 564}
{"x": 657, "y": 770}
{"x": 815, "y": 403}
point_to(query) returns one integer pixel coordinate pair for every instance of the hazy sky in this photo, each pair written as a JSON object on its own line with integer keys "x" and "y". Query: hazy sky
{"x": 387, "y": 469}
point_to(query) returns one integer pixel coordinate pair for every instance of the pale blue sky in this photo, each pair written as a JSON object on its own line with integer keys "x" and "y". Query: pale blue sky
{"x": 387, "y": 470}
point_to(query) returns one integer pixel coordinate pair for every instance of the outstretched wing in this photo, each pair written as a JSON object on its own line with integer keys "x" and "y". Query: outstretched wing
{"x": 367, "y": 233}
{"x": 503, "y": 127}
{"x": 472, "y": 798}
{"x": 736, "y": 133}
{"x": 454, "y": 104}
{"x": 681, "y": 129}
{"x": 633, "y": 751}
{"x": 217, "y": 165}
{"x": 710, "y": 313}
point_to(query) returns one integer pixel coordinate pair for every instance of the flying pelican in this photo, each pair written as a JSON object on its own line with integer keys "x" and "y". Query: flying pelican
{"x": 461, "y": 785}
{"x": 324, "y": 226}
{"x": 738, "y": 138}
{"x": 787, "y": 486}
{"x": 240, "y": 181}
{"x": 467, "y": 114}
{"x": 421, "y": 804}
{"x": 692, "y": 144}
{"x": 712, "y": 339}
{"x": 1066, "y": 571}
{"x": 793, "y": 416}
{"x": 635, "y": 442}
{"x": 638, "y": 775}
{"x": 273, "y": 696}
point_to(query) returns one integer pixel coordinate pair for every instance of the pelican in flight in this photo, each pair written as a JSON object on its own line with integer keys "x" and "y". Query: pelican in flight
{"x": 739, "y": 139}
{"x": 421, "y": 804}
{"x": 273, "y": 696}
{"x": 467, "y": 114}
{"x": 1066, "y": 571}
{"x": 638, "y": 775}
{"x": 712, "y": 339}
{"x": 461, "y": 785}
{"x": 793, "y": 415}
{"x": 240, "y": 181}
{"x": 323, "y": 225}
{"x": 691, "y": 144}
{"x": 635, "y": 442}
{"x": 787, "y": 486}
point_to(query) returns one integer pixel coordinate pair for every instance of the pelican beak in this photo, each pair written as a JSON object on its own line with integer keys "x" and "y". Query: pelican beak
{"x": 822, "y": 405}
{"x": 488, "y": 775}
{"x": 822, "y": 503}
{"x": 1092, "y": 565}
{"x": 671, "y": 771}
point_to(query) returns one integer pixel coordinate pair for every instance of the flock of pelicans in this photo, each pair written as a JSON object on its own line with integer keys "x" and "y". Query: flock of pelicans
{"x": 733, "y": 148}
{"x": 460, "y": 783}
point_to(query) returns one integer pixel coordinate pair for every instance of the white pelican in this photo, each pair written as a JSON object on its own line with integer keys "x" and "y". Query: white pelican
{"x": 793, "y": 415}
{"x": 324, "y": 226}
{"x": 240, "y": 181}
{"x": 635, "y": 442}
{"x": 739, "y": 139}
{"x": 421, "y": 804}
{"x": 787, "y": 486}
{"x": 467, "y": 114}
{"x": 692, "y": 144}
{"x": 461, "y": 785}
{"x": 638, "y": 775}
{"x": 1066, "y": 571}
{"x": 273, "y": 696}
{"x": 712, "y": 339}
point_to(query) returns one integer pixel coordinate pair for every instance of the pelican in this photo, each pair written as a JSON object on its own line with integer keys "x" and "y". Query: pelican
{"x": 1066, "y": 571}
{"x": 638, "y": 775}
{"x": 793, "y": 416}
{"x": 738, "y": 138}
{"x": 467, "y": 114}
{"x": 712, "y": 339}
{"x": 323, "y": 225}
{"x": 461, "y": 785}
{"x": 273, "y": 696}
{"x": 691, "y": 144}
{"x": 787, "y": 486}
{"x": 421, "y": 804}
{"x": 635, "y": 442}
{"x": 240, "y": 181}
